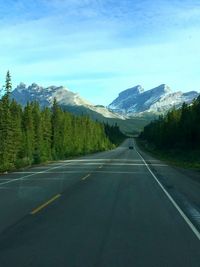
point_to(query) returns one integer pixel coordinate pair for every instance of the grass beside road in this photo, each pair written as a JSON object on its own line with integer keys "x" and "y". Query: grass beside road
{"x": 189, "y": 159}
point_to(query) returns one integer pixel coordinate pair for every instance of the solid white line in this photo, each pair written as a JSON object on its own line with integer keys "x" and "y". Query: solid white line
{"x": 119, "y": 164}
{"x": 32, "y": 174}
{"x": 186, "y": 219}
{"x": 121, "y": 160}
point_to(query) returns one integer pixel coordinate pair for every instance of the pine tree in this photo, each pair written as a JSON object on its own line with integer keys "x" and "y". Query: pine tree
{"x": 178, "y": 129}
{"x": 8, "y": 85}
{"x": 46, "y": 135}
{"x": 57, "y": 131}
{"x": 28, "y": 134}
{"x": 16, "y": 117}
{"x": 38, "y": 137}
{"x": 6, "y": 128}
{"x": 31, "y": 135}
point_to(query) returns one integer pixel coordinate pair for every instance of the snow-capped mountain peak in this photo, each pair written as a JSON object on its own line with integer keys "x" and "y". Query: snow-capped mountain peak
{"x": 157, "y": 100}
{"x": 163, "y": 88}
{"x": 130, "y": 102}
{"x": 64, "y": 97}
{"x": 46, "y": 95}
{"x": 132, "y": 91}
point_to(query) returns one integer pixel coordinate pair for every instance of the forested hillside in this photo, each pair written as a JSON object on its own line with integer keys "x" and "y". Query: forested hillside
{"x": 33, "y": 135}
{"x": 178, "y": 132}
{"x": 179, "y": 128}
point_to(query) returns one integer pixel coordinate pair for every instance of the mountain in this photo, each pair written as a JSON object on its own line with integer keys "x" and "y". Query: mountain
{"x": 73, "y": 103}
{"x": 132, "y": 110}
{"x": 134, "y": 101}
{"x": 65, "y": 98}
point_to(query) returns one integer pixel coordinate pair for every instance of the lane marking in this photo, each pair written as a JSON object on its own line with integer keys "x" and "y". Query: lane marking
{"x": 100, "y": 167}
{"x": 125, "y": 164}
{"x": 33, "y": 212}
{"x": 85, "y": 171}
{"x": 131, "y": 160}
{"x": 32, "y": 174}
{"x": 71, "y": 172}
{"x": 85, "y": 177}
{"x": 85, "y": 166}
{"x": 183, "y": 215}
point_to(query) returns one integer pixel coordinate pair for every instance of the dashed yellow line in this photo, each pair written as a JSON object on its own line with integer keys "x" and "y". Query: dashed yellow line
{"x": 85, "y": 177}
{"x": 45, "y": 204}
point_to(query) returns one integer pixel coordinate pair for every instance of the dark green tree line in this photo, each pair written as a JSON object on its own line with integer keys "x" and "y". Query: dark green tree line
{"x": 114, "y": 134}
{"x": 31, "y": 135}
{"x": 178, "y": 129}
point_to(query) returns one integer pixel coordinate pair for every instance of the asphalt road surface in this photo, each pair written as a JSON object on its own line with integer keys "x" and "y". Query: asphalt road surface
{"x": 120, "y": 208}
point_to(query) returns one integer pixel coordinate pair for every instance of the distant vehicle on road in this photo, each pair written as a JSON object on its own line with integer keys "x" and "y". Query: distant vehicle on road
{"x": 130, "y": 147}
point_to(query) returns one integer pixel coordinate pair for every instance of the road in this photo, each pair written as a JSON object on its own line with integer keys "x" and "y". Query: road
{"x": 118, "y": 208}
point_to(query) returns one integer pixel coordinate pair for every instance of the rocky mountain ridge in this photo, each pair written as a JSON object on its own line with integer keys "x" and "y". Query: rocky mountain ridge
{"x": 64, "y": 97}
{"x": 136, "y": 100}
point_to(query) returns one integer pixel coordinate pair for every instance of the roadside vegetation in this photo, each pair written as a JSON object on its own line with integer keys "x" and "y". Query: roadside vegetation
{"x": 114, "y": 134}
{"x": 176, "y": 136}
{"x": 31, "y": 135}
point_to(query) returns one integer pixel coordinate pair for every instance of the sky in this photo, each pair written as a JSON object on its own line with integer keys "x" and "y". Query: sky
{"x": 98, "y": 48}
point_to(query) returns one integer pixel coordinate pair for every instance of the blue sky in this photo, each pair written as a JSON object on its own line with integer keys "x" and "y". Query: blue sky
{"x": 101, "y": 47}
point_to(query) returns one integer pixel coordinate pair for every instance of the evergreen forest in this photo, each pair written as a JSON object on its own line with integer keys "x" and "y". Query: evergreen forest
{"x": 179, "y": 129}
{"x": 31, "y": 134}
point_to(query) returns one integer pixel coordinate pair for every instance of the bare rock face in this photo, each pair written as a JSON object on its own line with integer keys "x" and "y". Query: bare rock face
{"x": 66, "y": 98}
{"x": 130, "y": 102}
{"x": 157, "y": 100}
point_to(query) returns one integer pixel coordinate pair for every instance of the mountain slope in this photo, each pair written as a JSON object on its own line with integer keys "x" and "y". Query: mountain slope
{"x": 132, "y": 110}
{"x": 73, "y": 103}
{"x": 65, "y": 98}
{"x": 157, "y": 100}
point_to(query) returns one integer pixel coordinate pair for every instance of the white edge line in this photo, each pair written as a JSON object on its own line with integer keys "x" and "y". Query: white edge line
{"x": 186, "y": 219}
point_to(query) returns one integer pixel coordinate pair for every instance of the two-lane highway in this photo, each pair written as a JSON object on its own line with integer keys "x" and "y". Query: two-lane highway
{"x": 110, "y": 209}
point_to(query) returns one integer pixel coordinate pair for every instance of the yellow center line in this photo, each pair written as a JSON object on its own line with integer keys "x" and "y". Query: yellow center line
{"x": 45, "y": 204}
{"x": 85, "y": 177}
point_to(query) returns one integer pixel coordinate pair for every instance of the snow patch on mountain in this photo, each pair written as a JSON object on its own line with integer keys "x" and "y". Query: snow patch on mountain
{"x": 106, "y": 113}
{"x": 157, "y": 100}
{"x": 45, "y": 96}
{"x": 63, "y": 95}
{"x": 134, "y": 101}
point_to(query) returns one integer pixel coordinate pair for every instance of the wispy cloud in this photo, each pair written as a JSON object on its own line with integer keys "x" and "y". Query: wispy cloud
{"x": 103, "y": 44}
